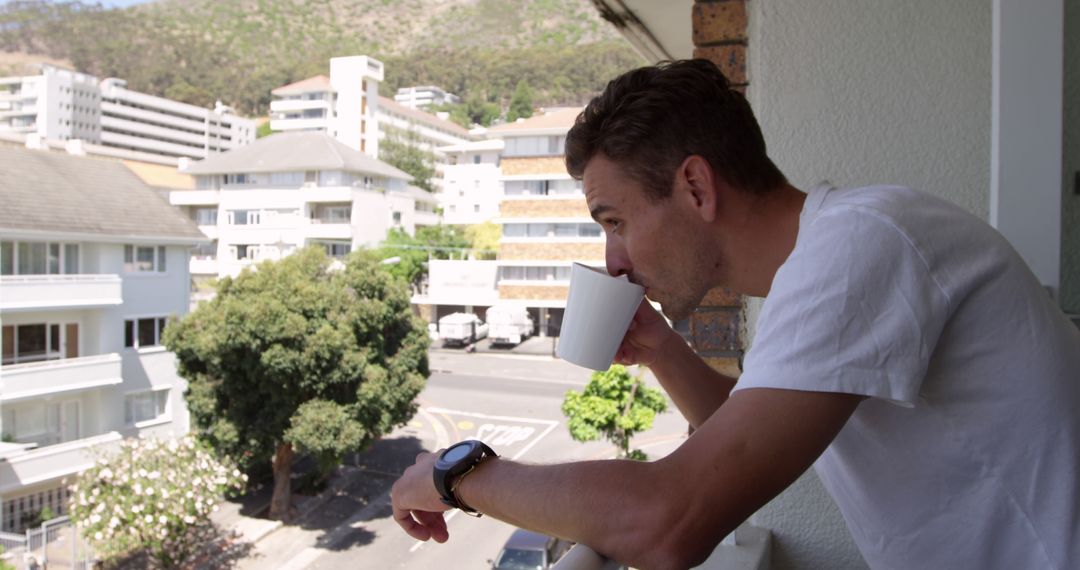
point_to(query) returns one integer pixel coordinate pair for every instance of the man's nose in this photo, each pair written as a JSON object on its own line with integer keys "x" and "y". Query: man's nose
{"x": 618, "y": 262}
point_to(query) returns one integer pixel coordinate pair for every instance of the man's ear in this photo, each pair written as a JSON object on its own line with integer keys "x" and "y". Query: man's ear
{"x": 699, "y": 182}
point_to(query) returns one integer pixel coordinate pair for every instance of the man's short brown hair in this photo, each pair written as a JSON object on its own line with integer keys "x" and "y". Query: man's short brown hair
{"x": 650, "y": 119}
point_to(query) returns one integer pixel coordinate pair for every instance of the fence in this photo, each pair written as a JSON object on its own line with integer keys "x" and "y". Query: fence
{"x": 56, "y": 544}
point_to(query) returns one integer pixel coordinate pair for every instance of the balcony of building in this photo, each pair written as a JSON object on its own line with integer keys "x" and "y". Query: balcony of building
{"x": 298, "y": 105}
{"x": 299, "y": 124}
{"x": 194, "y": 197}
{"x": 34, "y": 379}
{"x": 38, "y": 292}
{"x": 748, "y": 548}
{"x": 21, "y": 467}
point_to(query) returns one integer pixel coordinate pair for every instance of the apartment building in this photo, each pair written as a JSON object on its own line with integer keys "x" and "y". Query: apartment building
{"x": 62, "y": 104}
{"x": 288, "y": 191}
{"x": 423, "y": 96}
{"x": 426, "y": 131}
{"x": 472, "y": 182}
{"x": 545, "y": 228}
{"x": 344, "y": 105}
{"x": 93, "y": 265}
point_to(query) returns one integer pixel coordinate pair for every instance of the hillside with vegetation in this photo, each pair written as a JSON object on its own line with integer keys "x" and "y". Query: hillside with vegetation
{"x": 236, "y": 51}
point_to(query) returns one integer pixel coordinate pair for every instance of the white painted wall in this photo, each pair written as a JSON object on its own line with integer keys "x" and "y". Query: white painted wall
{"x": 899, "y": 93}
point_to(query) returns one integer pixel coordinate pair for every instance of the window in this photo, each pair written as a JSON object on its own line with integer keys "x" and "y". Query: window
{"x": 205, "y": 251}
{"x": 535, "y": 146}
{"x": 145, "y": 406}
{"x": 397, "y": 218}
{"x": 31, "y": 258}
{"x": 33, "y": 342}
{"x": 144, "y": 332}
{"x": 245, "y": 251}
{"x": 293, "y": 179}
{"x": 206, "y": 216}
{"x": 144, "y": 258}
{"x": 244, "y": 217}
{"x": 589, "y": 230}
{"x": 513, "y": 273}
{"x": 71, "y": 258}
{"x": 7, "y": 258}
{"x": 476, "y": 159}
{"x": 334, "y": 178}
{"x": 514, "y": 230}
{"x": 337, "y": 249}
{"x": 539, "y": 230}
{"x": 239, "y": 179}
{"x": 476, "y": 208}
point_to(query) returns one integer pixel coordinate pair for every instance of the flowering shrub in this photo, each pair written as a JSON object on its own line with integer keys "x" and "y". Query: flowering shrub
{"x": 153, "y": 496}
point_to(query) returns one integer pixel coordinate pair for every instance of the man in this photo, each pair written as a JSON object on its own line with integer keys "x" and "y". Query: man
{"x": 904, "y": 349}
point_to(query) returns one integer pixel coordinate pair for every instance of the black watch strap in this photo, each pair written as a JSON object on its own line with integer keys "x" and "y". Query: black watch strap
{"x": 448, "y": 477}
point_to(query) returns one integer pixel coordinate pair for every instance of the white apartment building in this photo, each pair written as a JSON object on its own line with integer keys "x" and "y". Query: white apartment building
{"x": 546, "y": 227}
{"x": 472, "y": 182}
{"x": 431, "y": 131}
{"x": 343, "y": 105}
{"x": 424, "y": 96}
{"x": 61, "y": 104}
{"x": 291, "y": 190}
{"x": 93, "y": 265}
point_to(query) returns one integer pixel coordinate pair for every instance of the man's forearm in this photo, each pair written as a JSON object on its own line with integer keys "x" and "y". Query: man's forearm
{"x": 693, "y": 385}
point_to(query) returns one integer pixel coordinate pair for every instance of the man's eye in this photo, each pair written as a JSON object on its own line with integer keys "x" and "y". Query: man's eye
{"x": 612, "y": 224}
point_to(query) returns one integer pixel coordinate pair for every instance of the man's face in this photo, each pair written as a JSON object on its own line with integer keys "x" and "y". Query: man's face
{"x": 658, "y": 245}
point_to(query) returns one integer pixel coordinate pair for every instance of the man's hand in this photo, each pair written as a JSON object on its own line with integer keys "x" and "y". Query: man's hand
{"x": 417, "y": 505}
{"x": 646, "y": 336}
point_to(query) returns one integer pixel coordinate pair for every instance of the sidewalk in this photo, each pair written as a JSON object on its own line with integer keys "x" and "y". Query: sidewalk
{"x": 532, "y": 346}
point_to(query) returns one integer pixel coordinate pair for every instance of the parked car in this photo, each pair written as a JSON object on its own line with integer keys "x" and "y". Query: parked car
{"x": 527, "y": 550}
{"x": 461, "y": 329}
{"x": 509, "y": 324}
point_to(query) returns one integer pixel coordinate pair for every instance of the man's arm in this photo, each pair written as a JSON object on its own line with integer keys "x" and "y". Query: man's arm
{"x": 665, "y": 514}
{"x": 693, "y": 385}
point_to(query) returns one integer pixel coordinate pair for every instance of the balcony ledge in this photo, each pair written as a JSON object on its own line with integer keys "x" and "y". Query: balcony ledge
{"x": 748, "y": 551}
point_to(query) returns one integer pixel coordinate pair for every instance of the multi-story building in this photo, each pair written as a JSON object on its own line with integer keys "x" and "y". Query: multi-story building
{"x": 93, "y": 265}
{"x": 425, "y": 131}
{"x": 545, "y": 228}
{"x": 344, "y": 105}
{"x": 472, "y": 182}
{"x": 61, "y": 104}
{"x": 424, "y": 96}
{"x": 291, "y": 190}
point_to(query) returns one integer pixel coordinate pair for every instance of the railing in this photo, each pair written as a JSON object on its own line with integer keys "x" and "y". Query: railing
{"x": 55, "y": 544}
{"x": 65, "y": 278}
{"x": 32, "y": 379}
{"x": 747, "y": 548}
{"x": 24, "y": 292}
{"x": 61, "y": 362}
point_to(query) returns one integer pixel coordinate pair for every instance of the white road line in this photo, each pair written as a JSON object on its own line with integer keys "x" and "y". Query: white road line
{"x": 551, "y": 426}
{"x": 442, "y": 439}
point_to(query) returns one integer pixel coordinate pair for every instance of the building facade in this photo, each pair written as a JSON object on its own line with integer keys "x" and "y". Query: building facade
{"x": 93, "y": 267}
{"x": 288, "y": 191}
{"x": 424, "y": 96}
{"x": 61, "y": 104}
{"x": 424, "y": 131}
{"x": 472, "y": 182}
{"x": 344, "y": 105}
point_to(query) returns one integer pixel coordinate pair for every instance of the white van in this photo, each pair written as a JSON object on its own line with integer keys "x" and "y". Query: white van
{"x": 509, "y": 324}
{"x": 460, "y": 329}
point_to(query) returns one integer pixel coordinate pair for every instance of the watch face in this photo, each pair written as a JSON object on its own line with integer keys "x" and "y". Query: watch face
{"x": 456, "y": 453}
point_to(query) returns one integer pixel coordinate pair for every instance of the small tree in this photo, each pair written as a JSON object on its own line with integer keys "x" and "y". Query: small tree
{"x": 521, "y": 102}
{"x": 3, "y": 564}
{"x": 484, "y": 238}
{"x": 295, "y": 356}
{"x": 152, "y": 496}
{"x": 413, "y": 252}
{"x": 615, "y": 406}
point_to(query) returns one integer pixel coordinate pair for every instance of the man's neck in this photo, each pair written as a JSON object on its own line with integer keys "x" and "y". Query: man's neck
{"x": 767, "y": 238}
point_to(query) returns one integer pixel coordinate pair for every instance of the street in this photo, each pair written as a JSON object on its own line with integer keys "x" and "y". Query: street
{"x": 511, "y": 402}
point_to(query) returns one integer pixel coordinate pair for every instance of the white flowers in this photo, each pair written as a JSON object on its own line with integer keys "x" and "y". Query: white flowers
{"x": 150, "y": 496}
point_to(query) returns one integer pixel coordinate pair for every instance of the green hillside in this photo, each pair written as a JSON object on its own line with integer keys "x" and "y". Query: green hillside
{"x": 238, "y": 50}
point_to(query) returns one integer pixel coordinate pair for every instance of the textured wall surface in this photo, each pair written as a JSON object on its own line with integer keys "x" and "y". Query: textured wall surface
{"x": 898, "y": 93}
{"x": 1070, "y": 222}
{"x": 544, "y": 208}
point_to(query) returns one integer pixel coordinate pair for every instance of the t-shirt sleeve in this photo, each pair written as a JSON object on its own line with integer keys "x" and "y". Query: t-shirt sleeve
{"x": 854, "y": 309}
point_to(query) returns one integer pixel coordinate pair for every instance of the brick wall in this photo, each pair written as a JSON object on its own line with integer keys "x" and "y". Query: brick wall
{"x": 545, "y": 208}
{"x": 533, "y": 165}
{"x": 551, "y": 251}
{"x": 717, "y": 328}
{"x": 533, "y": 292}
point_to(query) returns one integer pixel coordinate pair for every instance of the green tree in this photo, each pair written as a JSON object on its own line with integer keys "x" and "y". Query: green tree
{"x": 401, "y": 148}
{"x": 263, "y": 130}
{"x": 484, "y": 239}
{"x": 3, "y": 564}
{"x": 152, "y": 496}
{"x": 413, "y": 252}
{"x": 521, "y": 102}
{"x": 614, "y": 405}
{"x": 297, "y": 356}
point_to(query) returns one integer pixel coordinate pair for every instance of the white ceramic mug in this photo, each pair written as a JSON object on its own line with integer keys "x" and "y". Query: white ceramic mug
{"x": 599, "y": 309}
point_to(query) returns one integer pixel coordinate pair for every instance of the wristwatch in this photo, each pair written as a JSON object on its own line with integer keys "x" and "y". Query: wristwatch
{"x": 453, "y": 465}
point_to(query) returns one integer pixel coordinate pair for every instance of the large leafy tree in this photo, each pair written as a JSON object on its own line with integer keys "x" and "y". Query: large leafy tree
{"x": 484, "y": 239}
{"x": 297, "y": 356}
{"x": 614, "y": 405}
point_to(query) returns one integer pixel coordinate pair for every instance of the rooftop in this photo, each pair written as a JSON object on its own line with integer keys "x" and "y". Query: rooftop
{"x": 555, "y": 121}
{"x": 52, "y": 193}
{"x": 475, "y": 146}
{"x": 422, "y": 117}
{"x": 293, "y": 151}
{"x": 317, "y": 83}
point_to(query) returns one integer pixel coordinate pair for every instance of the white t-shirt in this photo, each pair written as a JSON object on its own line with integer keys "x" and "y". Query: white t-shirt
{"x": 967, "y": 452}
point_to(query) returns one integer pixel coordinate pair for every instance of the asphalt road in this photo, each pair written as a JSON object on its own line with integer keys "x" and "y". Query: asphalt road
{"x": 512, "y": 402}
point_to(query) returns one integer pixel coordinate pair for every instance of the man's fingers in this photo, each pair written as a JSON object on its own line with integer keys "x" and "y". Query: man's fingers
{"x": 434, "y": 523}
{"x": 412, "y": 528}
